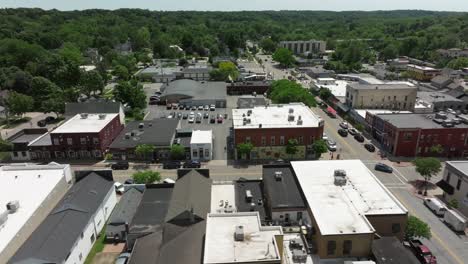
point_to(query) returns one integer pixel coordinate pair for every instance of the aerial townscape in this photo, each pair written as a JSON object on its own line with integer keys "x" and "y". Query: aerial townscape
{"x": 135, "y": 136}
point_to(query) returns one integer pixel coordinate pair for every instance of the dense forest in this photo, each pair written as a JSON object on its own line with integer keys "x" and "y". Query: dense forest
{"x": 40, "y": 51}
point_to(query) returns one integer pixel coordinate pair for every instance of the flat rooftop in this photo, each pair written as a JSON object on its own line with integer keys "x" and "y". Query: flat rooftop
{"x": 342, "y": 209}
{"x": 93, "y": 123}
{"x": 223, "y": 195}
{"x": 363, "y": 112}
{"x": 459, "y": 165}
{"x": 435, "y": 97}
{"x": 338, "y": 89}
{"x": 202, "y": 137}
{"x": 30, "y": 185}
{"x": 284, "y": 192}
{"x": 384, "y": 86}
{"x": 424, "y": 68}
{"x": 424, "y": 121}
{"x": 259, "y": 242}
{"x": 275, "y": 116}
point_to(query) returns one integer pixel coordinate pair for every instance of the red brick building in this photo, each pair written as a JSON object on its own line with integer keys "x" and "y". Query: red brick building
{"x": 411, "y": 135}
{"x": 84, "y": 136}
{"x": 269, "y": 128}
{"x": 248, "y": 87}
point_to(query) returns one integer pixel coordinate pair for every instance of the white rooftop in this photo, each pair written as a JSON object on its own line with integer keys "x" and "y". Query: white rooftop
{"x": 362, "y": 112}
{"x": 223, "y": 197}
{"x": 30, "y": 185}
{"x": 424, "y": 68}
{"x": 338, "y": 89}
{"x": 202, "y": 137}
{"x": 259, "y": 243}
{"x": 91, "y": 124}
{"x": 342, "y": 209}
{"x": 275, "y": 116}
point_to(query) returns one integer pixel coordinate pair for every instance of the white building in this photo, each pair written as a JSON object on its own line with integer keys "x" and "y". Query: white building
{"x": 201, "y": 145}
{"x": 305, "y": 46}
{"x": 240, "y": 238}
{"x": 68, "y": 233}
{"x": 36, "y": 188}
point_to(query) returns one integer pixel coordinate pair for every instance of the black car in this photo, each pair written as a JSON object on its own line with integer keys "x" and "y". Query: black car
{"x": 192, "y": 164}
{"x": 120, "y": 165}
{"x": 343, "y": 132}
{"x": 212, "y": 119}
{"x": 383, "y": 167}
{"x": 41, "y": 123}
{"x": 369, "y": 147}
{"x": 50, "y": 119}
{"x": 206, "y": 115}
{"x": 181, "y": 107}
{"x": 157, "y": 93}
{"x": 153, "y": 102}
{"x": 359, "y": 138}
{"x": 185, "y": 116}
{"x": 171, "y": 165}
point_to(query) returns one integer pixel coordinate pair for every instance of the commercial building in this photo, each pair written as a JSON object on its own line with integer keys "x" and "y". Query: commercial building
{"x": 255, "y": 200}
{"x": 68, "y": 233}
{"x": 196, "y": 73}
{"x": 454, "y": 183}
{"x": 411, "y": 135}
{"x": 283, "y": 199}
{"x": 453, "y": 53}
{"x": 84, "y": 136}
{"x": 319, "y": 72}
{"x": 305, "y": 46}
{"x": 190, "y": 92}
{"x": 95, "y": 107}
{"x": 348, "y": 207}
{"x": 422, "y": 73}
{"x": 159, "y": 74}
{"x": 240, "y": 238}
{"x": 336, "y": 87}
{"x": 21, "y": 140}
{"x": 159, "y": 133}
{"x": 270, "y": 128}
{"x": 201, "y": 145}
{"x": 29, "y": 193}
{"x": 248, "y": 88}
{"x": 381, "y": 96}
{"x": 441, "y": 101}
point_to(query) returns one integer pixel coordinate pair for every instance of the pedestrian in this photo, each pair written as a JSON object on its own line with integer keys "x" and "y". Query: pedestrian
{"x": 332, "y": 156}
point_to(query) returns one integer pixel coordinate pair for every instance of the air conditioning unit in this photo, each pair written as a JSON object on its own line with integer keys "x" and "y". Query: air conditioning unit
{"x": 102, "y": 116}
{"x": 13, "y": 206}
{"x": 278, "y": 175}
{"x": 239, "y": 233}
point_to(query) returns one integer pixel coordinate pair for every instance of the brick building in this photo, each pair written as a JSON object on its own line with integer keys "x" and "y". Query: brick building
{"x": 241, "y": 88}
{"x": 84, "y": 136}
{"x": 269, "y": 128}
{"x": 410, "y": 135}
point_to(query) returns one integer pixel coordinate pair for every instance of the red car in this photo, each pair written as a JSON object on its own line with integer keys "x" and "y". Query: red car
{"x": 422, "y": 252}
{"x": 220, "y": 119}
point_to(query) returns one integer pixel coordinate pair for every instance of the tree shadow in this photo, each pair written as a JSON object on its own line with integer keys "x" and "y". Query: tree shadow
{"x": 420, "y": 185}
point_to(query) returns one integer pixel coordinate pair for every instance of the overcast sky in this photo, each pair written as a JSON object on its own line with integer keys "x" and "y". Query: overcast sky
{"x": 230, "y": 5}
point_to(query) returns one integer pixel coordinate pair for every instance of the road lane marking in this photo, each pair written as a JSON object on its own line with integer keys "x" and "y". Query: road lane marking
{"x": 401, "y": 174}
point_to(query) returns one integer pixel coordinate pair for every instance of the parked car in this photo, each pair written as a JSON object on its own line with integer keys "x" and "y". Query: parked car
{"x": 331, "y": 145}
{"x": 212, "y": 119}
{"x": 207, "y": 108}
{"x": 153, "y": 102}
{"x": 175, "y": 106}
{"x": 344, "y": 125}
{"x": 343, "y": 132}
{"x": 123, "y": 258}
{"x": 129, "y": 181}
{"x": 120, "y": 165}
{"x": 359, "y": 138}
{"x": 179, "y": 115}
{"x": 436, "y": 206}
{"x": 369, "y": 147}
{"x": 353, "y": 131}
{"x": 169, "y": 106}
{"x": 187, "y": 107}
{"x": 206, "y": 116}
{"x": 455, "y": 220}
{"x": 41, "y": 123}
{"x": 325, "y": 136}
{"x": 192, "y": 164}
{"x": 200, "y": 107}
{"x": 154, "y": 97}
{"x": 119, "y": 188}
{"x": 181, "y": 107}
{"x": 191, "y": 119}
{"x": 422, "y": 252}
{"x": 185, "y": 116}
{"x": 194, "y": 107}
{"x": 50, "y": 119}
{"x": 198, "y": 118}
{"x": 219, "y": 119}
{"x": 212, "y": 107}
{"x": 383, "y": 167}
{"x": 171, "y": 165}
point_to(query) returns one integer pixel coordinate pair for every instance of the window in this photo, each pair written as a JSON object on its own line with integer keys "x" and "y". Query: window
{"x": 69, "y": 141}
{"x": 347, "y": 246}
{"x": 331, "y": 247}
{"x": 56, "y": 141}
{"x": 83, "y": 141}
{"x": 448, "y": 177}
{"x": 422, "y": 137}
{"x": 462, "y": 137}
{"x": 97, "y": 153}
{"x": 195, "y": 153}
{"x": 459, "y": 184}
{"x": 407, "y": 136}
{"x": 263, "y": 140}
{"x": 300, "y": 139}
{"x": 96, "y": 140}
{"x": 71, "y": 154}
{"x": 406, "y": 98}
{"x": 247, "y": 139}
{"x": 272, "y": 141}
{"x": 15, "y": 154}
{"x": 299, "y": 216}
{"x": 394, "y": 98}
{"x": 282, "y": 140}
{"x": 207, "y": 152}
{"x": 92, "y": 238}
{"x": 396, "y": 228}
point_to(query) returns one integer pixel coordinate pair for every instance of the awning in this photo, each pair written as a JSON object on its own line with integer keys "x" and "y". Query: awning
{"x": 342, "y": 107}
{"x": 445, "y": 186}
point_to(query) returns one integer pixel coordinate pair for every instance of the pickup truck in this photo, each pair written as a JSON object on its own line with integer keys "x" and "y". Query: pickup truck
{"x": 422, "y": 252}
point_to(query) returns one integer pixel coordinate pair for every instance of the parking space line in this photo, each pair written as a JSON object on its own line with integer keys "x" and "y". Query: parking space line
{"x": 401, "y": 174}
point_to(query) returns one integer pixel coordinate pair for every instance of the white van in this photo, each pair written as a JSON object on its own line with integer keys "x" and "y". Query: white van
{"x": 455, "y": 220}
{"x": 436, "y": 206}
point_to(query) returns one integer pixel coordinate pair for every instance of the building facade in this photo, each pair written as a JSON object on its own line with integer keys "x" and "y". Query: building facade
{"x": 270, "y": 128}
{"x": 201, "y": 145}
{"x": 381, "y": 96}
{"x": 455, "y": 184}
{"x": 304, "y": 46}
{"x": 421, "y": 73}
{"x": 248, "y": 88}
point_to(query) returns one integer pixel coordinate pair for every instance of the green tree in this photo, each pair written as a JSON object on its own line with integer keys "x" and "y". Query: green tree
{"x": 416, "y": 228}
{"x": 146, "y": 177}
{"x": 177, "y": 152}
{"x": 130, "y": 93}
{"x": 268, "y": 45}
{"x": 292, "y": 147}
{"x": 229, "y": 69}
{"x": 18, "y": 104}
{"x": 285, "y": 91}
{"x": 121, "y": 72}
{"x": 325, "y": 93}
{"x": 244, "y": 148}
{"x": 41, "y": 89}
{"x": 5, "y": 146}
{"x": 319, "y": 147}
{"x": 437, "y": 149}
{"x": 284, "y": 57}
{"x": 458, "y": 63}
{"x": 91, "y": 82}
{"x": 427, "y": 167}
{"x": 389, "y": 52}
{"x": 452, "y": 204}
{"x": 108, "y": 156}
{"x": 54, "y": 104}
{"x": 142, "y": 39}
{"x": 72, "y": 53}
{"x": 145, "y": 151}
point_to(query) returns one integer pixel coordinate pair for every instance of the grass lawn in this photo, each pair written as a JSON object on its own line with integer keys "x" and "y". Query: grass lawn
{"x": 4, "y": 156}
{"x": 97, "y": 247}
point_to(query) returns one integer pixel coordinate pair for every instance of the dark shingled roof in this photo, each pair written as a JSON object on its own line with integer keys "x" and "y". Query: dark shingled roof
{"x": 123, "y": 213}
{"x": 389, "y": 250}
{"x": 284, "y": 193}
{"x": 158, "y": 132}
{"x": 92, "y": 107}
{"x": 55, "y": 237}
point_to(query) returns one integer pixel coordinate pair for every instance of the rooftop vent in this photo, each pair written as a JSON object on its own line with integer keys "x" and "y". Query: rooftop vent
{"x": 127, "y": 135}
{"x": 102, "y": 116}
{"x": 278, "y": 175}
{"x": 259, "y": 125}
{"x": 248, "y": 195}
{"x": 141, "y": 125}
{"x": 299, "y": 120}
{"x": 239, "y": 233}
{"x": 291, "y": 118}
{"x": 13, "y": 206}
{"x": 84, "y": 116}
{"x": 340, "y": 177}
{"x": 291, "y": 110}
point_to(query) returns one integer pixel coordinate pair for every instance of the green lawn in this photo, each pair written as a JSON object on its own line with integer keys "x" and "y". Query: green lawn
{"x": 97, "y": 247}
{"x": 4, "y": 156}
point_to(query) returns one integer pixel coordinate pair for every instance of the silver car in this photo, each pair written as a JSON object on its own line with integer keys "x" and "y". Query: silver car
{"x": 331, "y": 145}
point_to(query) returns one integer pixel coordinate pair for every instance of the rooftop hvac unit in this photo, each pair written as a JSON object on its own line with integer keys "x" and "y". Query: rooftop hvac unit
{"x": 299, "y": 120}
{"x": 252, "y": 207}
{"x": 239, "y": 233}
{"x": 290, "y": 118}
{"x": 248, "y": 195}
{"x": 299, "y": 256}
{"x": 278, "y": 175}
{"x": 141, "y": 126}
{"x": 3, "y": 218}
{"x": 102, "y": 116}
{"x": 291, "y": 110}
{"x": 84, "y": 115}
{"x": 13, "y": 206}
{"x": 441, "y": 115}
{"x": 249, "y": 112}
{"x": 340, "y": 177}
{"x": 127, "y": 135}
{"x": 229, "y": 209}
